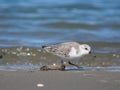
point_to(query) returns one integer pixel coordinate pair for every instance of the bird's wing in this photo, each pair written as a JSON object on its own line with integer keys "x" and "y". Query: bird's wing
{"x": 61, "y": 49}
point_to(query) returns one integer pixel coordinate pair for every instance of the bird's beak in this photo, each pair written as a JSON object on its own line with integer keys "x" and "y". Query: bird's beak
{"x": 92, "y": 54}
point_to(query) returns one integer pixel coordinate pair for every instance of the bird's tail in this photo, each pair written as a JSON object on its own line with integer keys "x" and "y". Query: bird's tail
{"x": 44, "y": 46}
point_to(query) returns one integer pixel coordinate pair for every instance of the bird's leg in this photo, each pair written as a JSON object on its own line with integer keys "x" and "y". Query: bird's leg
{"x": 62, "y": 65}
{"x": 69, "y": 62}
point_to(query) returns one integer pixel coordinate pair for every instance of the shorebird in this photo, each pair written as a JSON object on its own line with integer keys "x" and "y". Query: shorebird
{"x": 68, "y": 50}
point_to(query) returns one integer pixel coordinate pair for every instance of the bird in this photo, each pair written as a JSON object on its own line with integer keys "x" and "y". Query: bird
{"x": 68, "y": 50}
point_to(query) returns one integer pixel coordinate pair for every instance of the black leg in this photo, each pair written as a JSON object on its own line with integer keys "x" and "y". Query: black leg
{"x": 62, "y": 65}
{"x": 69, "y": 62}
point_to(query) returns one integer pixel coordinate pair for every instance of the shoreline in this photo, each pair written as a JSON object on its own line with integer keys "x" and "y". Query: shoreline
{"x": 59, "y": 80}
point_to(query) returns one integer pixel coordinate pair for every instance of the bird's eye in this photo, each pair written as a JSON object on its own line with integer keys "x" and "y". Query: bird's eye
{"x": 86, "y": 48}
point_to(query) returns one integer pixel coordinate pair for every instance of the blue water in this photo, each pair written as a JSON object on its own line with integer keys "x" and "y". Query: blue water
{"x": 37, "y": 22}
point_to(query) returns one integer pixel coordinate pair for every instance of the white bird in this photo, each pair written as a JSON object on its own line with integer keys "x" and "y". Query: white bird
{"x": 68, "y": 50}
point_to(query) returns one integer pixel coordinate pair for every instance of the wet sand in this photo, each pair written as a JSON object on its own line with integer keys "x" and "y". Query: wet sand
{"x": 59, "y": 80}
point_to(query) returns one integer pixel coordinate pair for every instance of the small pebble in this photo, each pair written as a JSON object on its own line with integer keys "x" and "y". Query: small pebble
{"x": 54, "y": 64}
{"x": 28, "y": 54}
{"x": 114, "y": 55}
{"x": 40, "y": 85}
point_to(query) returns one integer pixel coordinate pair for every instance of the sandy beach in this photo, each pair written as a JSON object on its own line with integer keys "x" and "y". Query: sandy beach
{"x": 59, "y": 80}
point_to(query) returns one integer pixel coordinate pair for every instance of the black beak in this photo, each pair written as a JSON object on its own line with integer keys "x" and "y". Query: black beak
{"x": 92, "y": 54}
{"x": 89, "y": 52}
